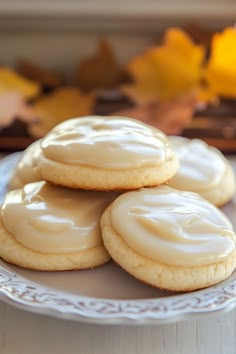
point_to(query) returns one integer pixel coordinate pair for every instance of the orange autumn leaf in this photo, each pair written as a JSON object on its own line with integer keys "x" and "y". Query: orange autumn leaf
{"x": 100, "y": 71}
{"x": 206, "y": 95}
{"x": 12, "y": 81}
{"x": 220, "y": 72}
{"x": 63, "y": 103}
{"x": 44, "y": 77}
{"x": 168, "y": 70}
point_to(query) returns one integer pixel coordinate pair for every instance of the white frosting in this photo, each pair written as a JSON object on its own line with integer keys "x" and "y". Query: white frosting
{"x": 201, "y": 167}
{"x": 172, "y": 227}
{"x": 25, "y": 172}
{"x": 107, "y": 142}
{"x": 53, "y": 219}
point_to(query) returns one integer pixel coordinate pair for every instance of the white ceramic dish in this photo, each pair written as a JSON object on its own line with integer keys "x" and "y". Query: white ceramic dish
{"x": 106, "y": 294}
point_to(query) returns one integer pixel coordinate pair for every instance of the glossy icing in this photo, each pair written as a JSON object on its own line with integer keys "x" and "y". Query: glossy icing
{"x": 201, "y": 167}
{"x": 172, "y": 227}
{"x": 107, "y": 142}
{"x": 53, "y": 219}
{"x": 24, "y": 172}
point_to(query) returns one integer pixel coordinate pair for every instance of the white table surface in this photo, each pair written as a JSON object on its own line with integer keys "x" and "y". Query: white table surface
{"x": 26, "y": 333}
{"x": 22, "y": 332}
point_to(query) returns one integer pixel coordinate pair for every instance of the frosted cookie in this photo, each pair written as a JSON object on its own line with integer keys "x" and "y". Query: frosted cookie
{"x": 44, "y": 227}
{"x": 170, "y": 239}
{"x": 24, "y": 172}
{"x": 112, "y": 153}
{"x": 204, "y": 170}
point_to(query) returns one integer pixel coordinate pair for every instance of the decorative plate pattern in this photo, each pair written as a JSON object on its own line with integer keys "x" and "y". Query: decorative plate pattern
{"x": 34, "y": 297}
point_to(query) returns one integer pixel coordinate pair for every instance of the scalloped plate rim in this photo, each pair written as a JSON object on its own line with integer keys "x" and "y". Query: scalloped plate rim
{"x": 31, "y": 296}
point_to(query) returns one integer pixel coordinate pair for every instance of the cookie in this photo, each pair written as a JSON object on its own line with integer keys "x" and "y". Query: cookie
{"x": 203, "y": 170}
{"x": 24, "y": 172}
{"x": 106, "y": 153}
{"x": 170, "y": 239}
{"x": 49, "y": 228}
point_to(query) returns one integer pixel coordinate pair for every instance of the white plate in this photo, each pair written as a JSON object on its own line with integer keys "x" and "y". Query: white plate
{"x": 106, "y": 294}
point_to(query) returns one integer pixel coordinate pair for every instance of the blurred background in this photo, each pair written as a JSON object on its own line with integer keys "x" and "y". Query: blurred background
{"x": 163, "y": 62}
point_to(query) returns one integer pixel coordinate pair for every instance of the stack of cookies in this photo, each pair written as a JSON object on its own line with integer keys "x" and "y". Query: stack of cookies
{"x": 97, "y": 188}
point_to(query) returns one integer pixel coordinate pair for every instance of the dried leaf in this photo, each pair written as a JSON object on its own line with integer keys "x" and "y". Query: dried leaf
{"x": 199, "y": 34}
{"x": 64, "y": 103}
{"x": 12, "y": 106}
{"x": 99, "y": 71}
{"x": 46, "y": 78}
{"x": 166, "y": 71}
{"x": 169, "y": 116}
{"x": 221, "y": 68}
{"x": 11, "y": 81}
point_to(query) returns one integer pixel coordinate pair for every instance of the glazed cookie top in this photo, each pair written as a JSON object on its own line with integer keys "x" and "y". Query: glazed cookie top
{"x": 201, "y": 167}
{"x": 24, "y": 172}
{"x": 172, "y": 227}
{"x": 53, "y": 219}
{"x": 107, "y": 143}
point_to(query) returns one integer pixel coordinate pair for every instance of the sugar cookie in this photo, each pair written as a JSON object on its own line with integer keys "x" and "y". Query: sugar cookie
{"x": 204, "y": 170}
{"x": 44, "y": 227}
{"x": 24, "y": 172}
{"x": 170, "y": 239}
{"x": 112, "y": 153}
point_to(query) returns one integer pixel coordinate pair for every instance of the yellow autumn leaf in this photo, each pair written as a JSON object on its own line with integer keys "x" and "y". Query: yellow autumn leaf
{"x": 166, "y": 71}
{"x": 11, "y": 81}
{"x": 63, "y": 103}
{"x": 220, "y": 71}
